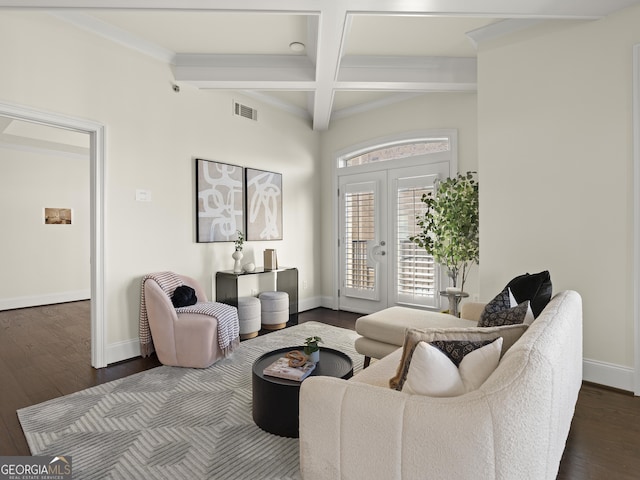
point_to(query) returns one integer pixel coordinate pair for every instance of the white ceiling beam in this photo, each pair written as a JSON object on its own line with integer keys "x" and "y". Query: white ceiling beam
{"x": 388, "y": 69}
{"x": 288, "y": 72}
{"x": 287, "y": 69}
{"x": 575, "y": 9}
{"x": 332, "y": 30}
{"x": 578, "y": 9}
{"x": 272, "y": 6}
{"x": 414, "y": 87}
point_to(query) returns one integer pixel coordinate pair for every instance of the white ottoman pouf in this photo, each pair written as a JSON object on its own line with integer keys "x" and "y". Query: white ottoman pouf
{"x": 275, "y": 310}
{"x": 249, "y": 317}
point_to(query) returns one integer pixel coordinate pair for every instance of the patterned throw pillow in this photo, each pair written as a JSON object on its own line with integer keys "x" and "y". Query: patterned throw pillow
{"x": 500, "y": 302}
{"x": 451, "y": 368}
{"x": 511, "y": 316}
{"x": 509, "y": 334}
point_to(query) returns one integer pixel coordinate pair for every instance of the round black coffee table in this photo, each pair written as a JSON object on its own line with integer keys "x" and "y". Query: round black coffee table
{"x": 275, "y": 400}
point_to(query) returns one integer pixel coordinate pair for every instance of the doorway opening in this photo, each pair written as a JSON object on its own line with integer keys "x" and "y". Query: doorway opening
{"x": 96, "y": 176}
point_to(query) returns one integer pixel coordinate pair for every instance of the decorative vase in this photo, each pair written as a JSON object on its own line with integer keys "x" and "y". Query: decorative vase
{"x": 237, "y": 266}
{"x": 249, "y": 267}
{"x": 314, "y": 356}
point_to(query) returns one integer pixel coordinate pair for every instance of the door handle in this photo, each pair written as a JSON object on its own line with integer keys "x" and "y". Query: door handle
{"x": 376, "y": 250}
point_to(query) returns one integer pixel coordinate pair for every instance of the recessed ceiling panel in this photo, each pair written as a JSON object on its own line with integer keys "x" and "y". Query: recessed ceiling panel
{"x": 412, "y": 35}
{"x": 213, "y": 32}
{"x": 297, "y": 98}
{"x": 349, "y": 99}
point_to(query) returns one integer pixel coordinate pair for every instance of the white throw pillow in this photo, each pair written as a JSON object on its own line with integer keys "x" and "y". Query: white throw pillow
{"x": 433, "y": 373}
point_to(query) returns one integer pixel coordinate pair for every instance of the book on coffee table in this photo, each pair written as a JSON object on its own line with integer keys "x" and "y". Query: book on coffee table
{"x": 281, "y": 369}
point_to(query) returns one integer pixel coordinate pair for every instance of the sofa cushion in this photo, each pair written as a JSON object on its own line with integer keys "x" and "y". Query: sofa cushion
{"x": 447, "y": 368}
{"x": 511, "y": 316}
{"x": 509, "y": 333}
{"x": 389, "y": 325}
{"x": 536, "y": 288}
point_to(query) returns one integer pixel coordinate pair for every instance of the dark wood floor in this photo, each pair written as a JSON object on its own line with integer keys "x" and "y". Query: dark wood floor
{"x": 45, "y": 353}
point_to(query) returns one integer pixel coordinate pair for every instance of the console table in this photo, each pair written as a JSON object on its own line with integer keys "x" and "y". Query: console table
{"x": 286, "y": 281}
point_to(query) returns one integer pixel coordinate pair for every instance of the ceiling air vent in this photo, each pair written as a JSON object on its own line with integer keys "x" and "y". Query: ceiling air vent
{"x": 244, "y": 111}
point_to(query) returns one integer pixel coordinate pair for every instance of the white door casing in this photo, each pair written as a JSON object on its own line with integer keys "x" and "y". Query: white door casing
{"x": 96, "y": 134}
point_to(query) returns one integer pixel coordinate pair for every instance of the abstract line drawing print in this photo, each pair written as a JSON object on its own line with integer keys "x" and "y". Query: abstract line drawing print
{"x": 220, "y": 201}
{"x": 264, "y": 205}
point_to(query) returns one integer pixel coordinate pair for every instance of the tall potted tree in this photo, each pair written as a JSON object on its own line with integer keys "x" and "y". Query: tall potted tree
{"x": 450, "y": 225}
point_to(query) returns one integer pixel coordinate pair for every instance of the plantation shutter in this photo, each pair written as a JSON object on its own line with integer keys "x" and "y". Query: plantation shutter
{"x": 416, "y": 272}
{"x": 360, "y": 230}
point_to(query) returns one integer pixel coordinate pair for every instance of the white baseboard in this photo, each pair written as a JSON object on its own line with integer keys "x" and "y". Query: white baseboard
{"x": 608, "y": 374}
{"x": 327, "y": 302}
{"x": 116, "y": 352}
{"x": 44, "y": 299}
{"x": 309, "y": 304}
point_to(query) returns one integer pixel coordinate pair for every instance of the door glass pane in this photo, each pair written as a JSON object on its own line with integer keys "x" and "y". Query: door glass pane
{"x": 416, "y": 271}
{"x": 359, "y": 233}
{"x": 399, "y": 150}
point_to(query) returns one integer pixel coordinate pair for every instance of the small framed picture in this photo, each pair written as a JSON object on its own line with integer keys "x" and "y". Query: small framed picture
{"x": 57, "y": 216}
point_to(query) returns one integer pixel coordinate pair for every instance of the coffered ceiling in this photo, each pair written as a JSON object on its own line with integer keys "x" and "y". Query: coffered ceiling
{"x": 357, "y": 54}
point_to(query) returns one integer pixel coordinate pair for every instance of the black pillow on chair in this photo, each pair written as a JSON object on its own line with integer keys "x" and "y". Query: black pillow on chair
{"x": 535, "y": 287}
{"x": 183, "y": 296}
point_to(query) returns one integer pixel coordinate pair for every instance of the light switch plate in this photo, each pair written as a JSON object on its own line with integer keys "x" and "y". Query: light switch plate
{"x": 143, "y": 195}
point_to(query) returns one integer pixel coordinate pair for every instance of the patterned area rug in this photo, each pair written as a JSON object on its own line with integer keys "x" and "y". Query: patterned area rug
{"x": 176, "y": 423}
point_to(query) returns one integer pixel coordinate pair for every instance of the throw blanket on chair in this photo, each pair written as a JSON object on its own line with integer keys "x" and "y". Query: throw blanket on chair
{"x": 226, "y": 315}
{"x": 168, "y": 282}
{"x": 228, "y": 323}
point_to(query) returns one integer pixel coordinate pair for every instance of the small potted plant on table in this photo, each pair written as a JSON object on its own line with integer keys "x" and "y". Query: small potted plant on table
{"x": 312, "y": 349}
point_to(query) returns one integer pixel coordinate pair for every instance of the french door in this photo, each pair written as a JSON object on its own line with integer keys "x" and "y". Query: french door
{"x": 378, "y": 265}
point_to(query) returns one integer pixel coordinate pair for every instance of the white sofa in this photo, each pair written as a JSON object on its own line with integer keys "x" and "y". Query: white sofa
{"x": 513, "y": 427}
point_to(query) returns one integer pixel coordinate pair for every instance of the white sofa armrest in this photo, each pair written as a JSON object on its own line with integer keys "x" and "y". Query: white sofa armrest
{"x": 352, "y": 430}
{"x": 471, "y": 310}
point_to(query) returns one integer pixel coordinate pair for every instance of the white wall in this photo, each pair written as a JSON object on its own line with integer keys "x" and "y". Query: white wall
{"x": 433, "y": 111}
{"x": 555, "y": 155}
{"x": 41, "y": 263}
{"x": 152, "y": 137}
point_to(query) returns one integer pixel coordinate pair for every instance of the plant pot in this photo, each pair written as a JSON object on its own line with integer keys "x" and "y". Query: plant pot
{"x": 314, "y": 356}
